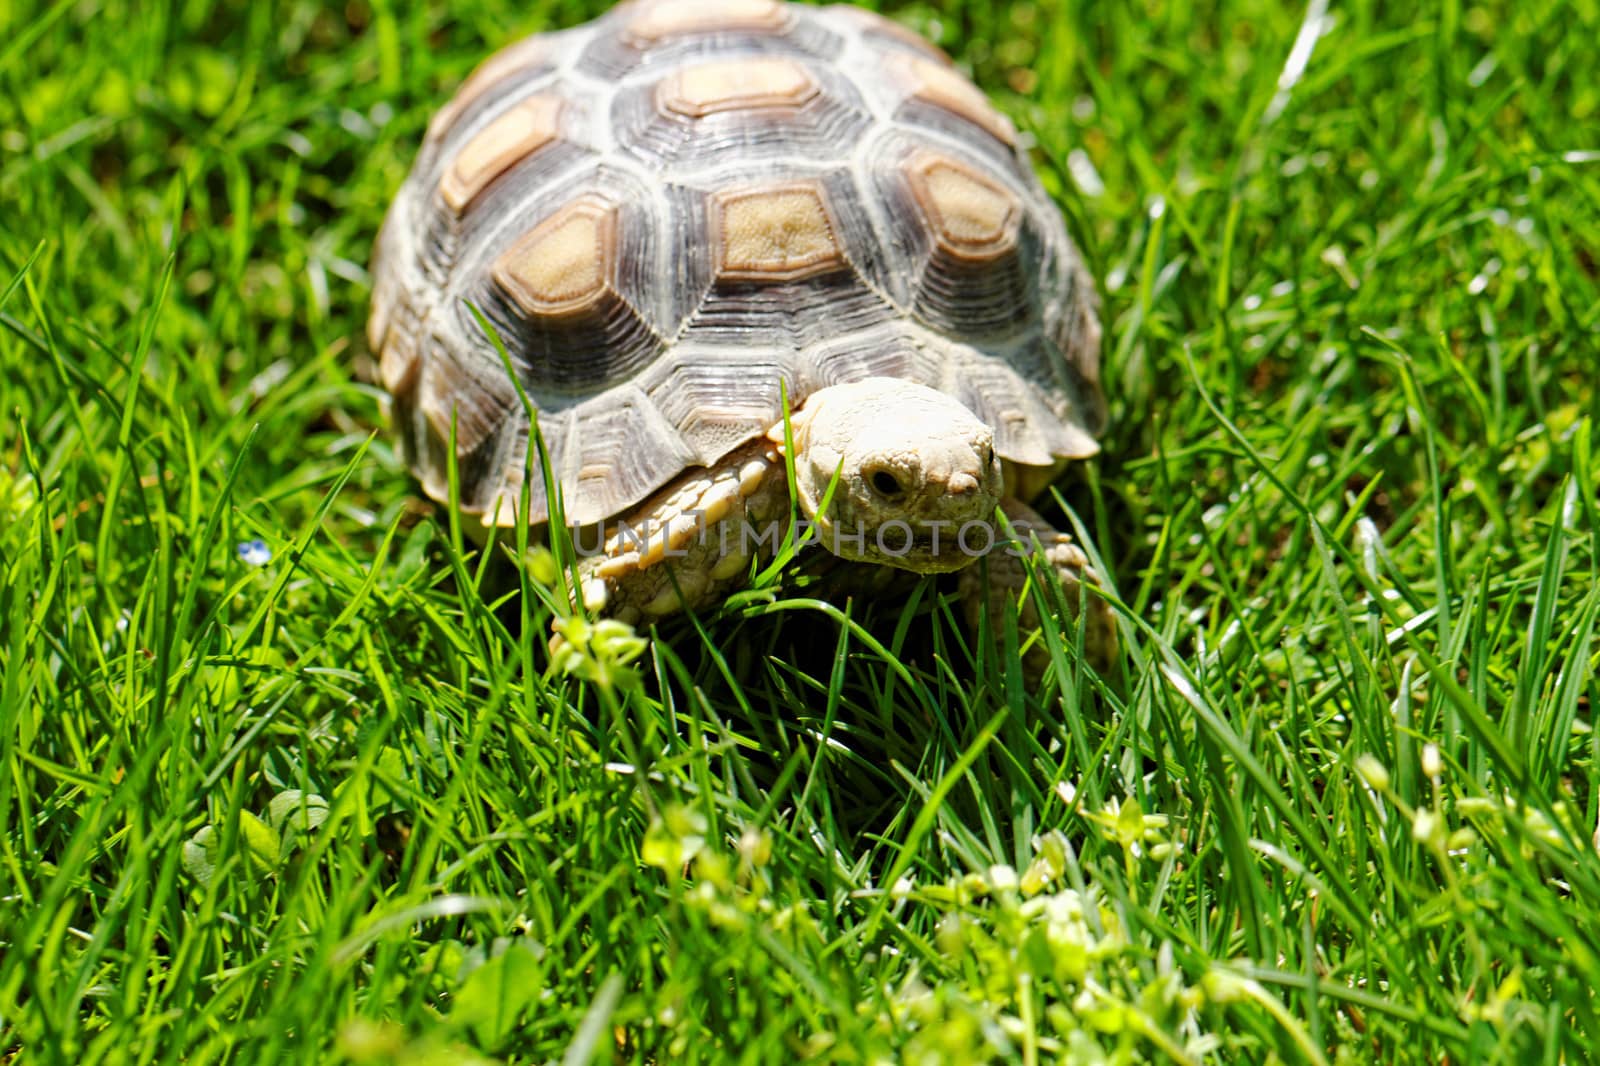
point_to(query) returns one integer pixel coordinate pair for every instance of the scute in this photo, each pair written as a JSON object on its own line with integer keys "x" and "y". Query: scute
{"x": 763, "y": 83}
{"x": 775, "y": 233}
{"x": 885, "y": 32}
{"x": 721, "y": 396}
{"x": 705, "y": 112}
{"x": 971, "y": 217}
{"x": 510, "y": 138}
{"x": 969, "y": 240}
{"x": 662, "y": 34}
{"x": 523, "y": 58}
{"x": 564, "y": 266}
{"x": 937, "y": 86}
{"x": 617, "y": 448}
{"x": 682, "y": 213}
{"x": 655, "y": 20}
{"x": 568, "y": 284}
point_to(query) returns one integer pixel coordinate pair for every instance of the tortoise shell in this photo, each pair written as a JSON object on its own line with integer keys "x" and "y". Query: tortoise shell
{"x": 679, "y": 213}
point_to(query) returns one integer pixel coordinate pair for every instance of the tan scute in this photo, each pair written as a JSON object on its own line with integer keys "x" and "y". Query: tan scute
{"x": 939, "y": 85}
{"x": 775, "y": 233}
{"x": 676, "y": 18}
{"x": 523, "y": 55}
{"x": 971, "y": 217}
{"x": 736, "y": 85}
{"x": 564, "y": 265}
{"x": 495, "y": 149}
{"x": 887, "y": 27}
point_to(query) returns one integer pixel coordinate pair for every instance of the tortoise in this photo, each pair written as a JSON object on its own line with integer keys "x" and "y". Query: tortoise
{"x": 723, "y": 245}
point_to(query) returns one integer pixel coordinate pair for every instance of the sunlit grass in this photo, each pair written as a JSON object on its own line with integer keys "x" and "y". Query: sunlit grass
{"x": 1336, "y": 801}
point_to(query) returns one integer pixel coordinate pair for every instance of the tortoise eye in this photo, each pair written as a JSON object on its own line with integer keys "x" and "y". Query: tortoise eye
{"x": 885, "y": 484}
{"x": 988, "y": 455}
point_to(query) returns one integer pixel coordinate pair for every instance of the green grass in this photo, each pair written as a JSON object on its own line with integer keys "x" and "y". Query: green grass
{"x": 1337, "y": 800}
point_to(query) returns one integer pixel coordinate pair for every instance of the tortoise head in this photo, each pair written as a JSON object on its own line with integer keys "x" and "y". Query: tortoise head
{"x": 914, "y": 468}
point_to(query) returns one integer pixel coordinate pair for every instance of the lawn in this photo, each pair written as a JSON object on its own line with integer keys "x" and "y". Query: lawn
{"x": 325, "y": 799}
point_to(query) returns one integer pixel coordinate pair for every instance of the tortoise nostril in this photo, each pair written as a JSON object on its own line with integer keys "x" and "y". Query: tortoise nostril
{"x": 885, "y": 483}
{"x": 962, "y": 485}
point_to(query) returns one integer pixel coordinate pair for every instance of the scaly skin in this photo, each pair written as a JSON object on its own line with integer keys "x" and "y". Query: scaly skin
{"x": 703, "y": 533}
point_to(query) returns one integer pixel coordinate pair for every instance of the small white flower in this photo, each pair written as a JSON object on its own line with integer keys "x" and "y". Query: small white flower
{"x": 255, "y": 553}
{"x": 1373, "y": 772}
{"x": 1432, "y": 764}
{"x": 1003, "y": 878}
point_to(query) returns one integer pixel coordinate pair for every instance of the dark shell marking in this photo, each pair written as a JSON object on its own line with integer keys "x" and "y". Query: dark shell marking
{"x": 677, "y": 213}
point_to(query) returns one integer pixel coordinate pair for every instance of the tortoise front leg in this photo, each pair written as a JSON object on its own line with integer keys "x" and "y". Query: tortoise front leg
{"x": 1007, "y": 577}
{"x": 689, "y": 544}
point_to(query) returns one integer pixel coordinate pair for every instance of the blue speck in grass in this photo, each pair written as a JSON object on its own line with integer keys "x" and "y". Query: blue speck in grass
{"x": 255, "y": 553}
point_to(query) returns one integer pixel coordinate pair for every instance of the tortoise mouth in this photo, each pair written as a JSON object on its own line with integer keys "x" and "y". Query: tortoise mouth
{"x": 926, "y": 547}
